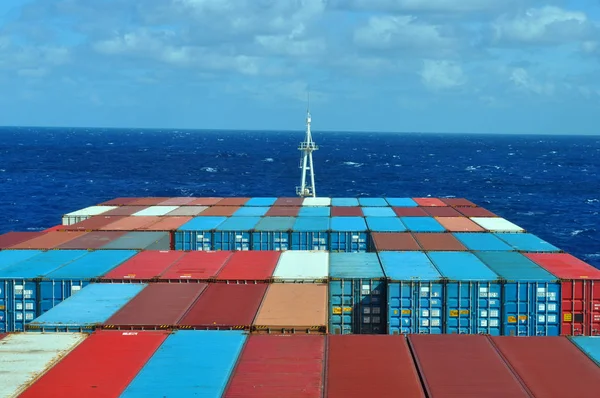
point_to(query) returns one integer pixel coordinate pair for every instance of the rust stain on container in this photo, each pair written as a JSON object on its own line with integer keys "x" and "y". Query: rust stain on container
{"x": 442, "y": 212}
{"x": 130, "y": 223}
{"x": 475, "y": 212}
{"x": 49, "y": 240}
{"x": 410, "y": 212}
{"x": 283, "y": 211}
{"x": 288, "y": 202}
{"x": 232, "y": 201}
{"x": 459, "y": 224}
{"x": 394, "y": 241}
{"x": 346, "y": 211}
{"x": 167, "y": 224}
{"x": 438, "y": 242}
{"x": 225, "y": 211}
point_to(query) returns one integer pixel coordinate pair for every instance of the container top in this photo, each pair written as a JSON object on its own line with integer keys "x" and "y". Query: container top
{"x": 372, "y": 202}
{"x": 124, "y": 210}
{"x": 93, "y": 305}
{"x": 461, "y": 266}
{"x": 344, "y": 202}
{"x": 564, "y": 266}
{"x": 590, "y": 345}
{"x": 497, "y": 224}
{"x": 346, "y": 211}
{"x": 118, "y": 201}
{"x": 429, "y": 202}
{"x": 92, "y": 265}
{"x": 91, "y": 211}
{"x": 438, "y": 242}
{"x": 458, "y": 202}
{"x": 378, "y": 212}
{"x": 145, "y": 265}
{"x": 408, "y": 266}
{"x": 94, "y": 223}
{"x": 219, "y": 211}
{"x": 204, "y": 201}
{"x": 422, "y": 224}
{"x": 197, "y": 265}
{"x": 177, "y": 201}
{"x": 312, "y": 224}
{"x": 187, "y": 211}
{"x": 130, "y": 223}
{"x": 394, "y": 241}
{"x": 316, "y": 202}
{"x": 514, "y": 266}
{"x": 155, "y": 211}
{"x": 11, "y": 257}
{"x": 410, "y": 212}
{"x": 148, "y": 201}
{"x": 385, "y": 224}
{"x": 137, "y": 240}
{"x": 308, "y": 301}
{"x": 239, "y": 223}
{"x": 41, "y": 264}
{"x": 314, "y": 211}
{"x": 260, "y": 202}
{"x": 297, "y": 265}
{"x": 168, "y": 224}
{"x": 350, "y": 224}
{"x": 48, "y": 240}
{"x": 401, "y": 202}
{"x": 527, "y": 242}
{"x": 458, "y": 224}
{"x": 12, "y": 238}
{"x": 475, "y": 212}
{"x": 233, "y": 201}
{"x": 355, "y": 266}
{"x": 250, "y": 265}
{"x": 92, "y": 240}
{"x": 289, "y": 202}
{"x": 203, "y": 223}
{"x": 481, "y": 241}
{"x": 286, "y": 211}
{"x": 438, "y": 211}
{"x": 275, "y": 224}
{"x": 251, "y": 211}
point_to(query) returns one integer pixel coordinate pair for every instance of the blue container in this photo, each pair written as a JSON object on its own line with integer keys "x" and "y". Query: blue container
{"x": 356, "y": 294}
{"x": 314, "y": 211}
{"x": 86, "y": 310}
{"x": 526, "y": 242}
{"x": 197, "y": 234}
{"x": 481, "y": 241}
{"x": 385, "y": 224}
{"x": 252, "y": 211}
{"x": 473, "y": 294}
{"x": 348, "y": 234}
{"x": 141, "y": 240}
{"x": 273, "y": 233}
{"x": 378, "y": 212}
{"x": 190, "y": 363}
{"x": 311, "y": 233}
{"x": 10, "y": 257}
{"x": 415, "y": 293}
{"x": 260, "y": 202}
{"x": 234, "y": 233}
{"x": 401, "y": 202}
{"x": 422, "y": 224}
{"x": 590, "y": 345}
{"x": 372, "y": 202}
{"x": 530, "y": 295}
{"x": 344, "y": 201}
{"x": 60, "y": 284}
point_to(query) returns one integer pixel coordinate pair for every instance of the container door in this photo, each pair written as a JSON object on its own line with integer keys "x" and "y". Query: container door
{"x": 488, "y": 306}
{"x": 401, "y": 300}
{"x": 545, "y": 317}
{"x": 573, "y": 304}
{"x": 516, "y": 309}
{"x": 594, "y": 307}
{"x": 341, "y": 307}
{"x": 24, "y": 306}
{"x": 369, "y": 311}
{"x": 458, "y": 307}
{"x": 338, "y": 241}
{"x": 429, "y": 308}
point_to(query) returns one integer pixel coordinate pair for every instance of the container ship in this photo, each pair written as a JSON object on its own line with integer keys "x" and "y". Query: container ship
{"x": 294, "y": 296}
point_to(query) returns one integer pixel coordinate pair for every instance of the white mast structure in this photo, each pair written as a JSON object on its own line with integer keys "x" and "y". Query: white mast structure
{"x": 306, "y": 148}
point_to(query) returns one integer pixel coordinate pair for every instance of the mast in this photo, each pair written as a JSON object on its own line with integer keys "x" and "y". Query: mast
{"x": 306, "y": 162}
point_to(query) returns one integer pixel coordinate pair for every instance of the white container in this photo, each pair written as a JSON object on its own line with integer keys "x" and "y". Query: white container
{"x": 302, "y": 266}
{"x": 24, "y": 357}
{"x": 83, "y": 214}
{"x": 316, "y": 202}
{"x": 155, "y": 211}
{"x": 497, "y": 224}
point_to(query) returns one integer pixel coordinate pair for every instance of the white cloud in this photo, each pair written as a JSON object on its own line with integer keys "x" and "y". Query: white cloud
{"x": 523, "y": 81}
{"x": 442, "y": 75}
{"x": 450, "y": 6}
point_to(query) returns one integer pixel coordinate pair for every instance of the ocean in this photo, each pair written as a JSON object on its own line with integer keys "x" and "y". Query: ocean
{"x": 549, "y": 185}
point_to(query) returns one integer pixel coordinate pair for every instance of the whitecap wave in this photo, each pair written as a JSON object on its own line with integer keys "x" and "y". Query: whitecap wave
{"x": 209, "y": 169}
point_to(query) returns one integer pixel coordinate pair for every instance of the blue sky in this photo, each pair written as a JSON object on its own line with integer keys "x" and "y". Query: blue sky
{"x": 500, "y": 66}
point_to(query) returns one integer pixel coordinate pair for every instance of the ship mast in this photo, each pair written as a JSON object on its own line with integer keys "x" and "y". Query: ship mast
{"x": 306, "y": 148}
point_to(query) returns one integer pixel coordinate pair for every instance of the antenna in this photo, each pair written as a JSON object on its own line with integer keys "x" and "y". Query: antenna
{"x": 306, "y": 161}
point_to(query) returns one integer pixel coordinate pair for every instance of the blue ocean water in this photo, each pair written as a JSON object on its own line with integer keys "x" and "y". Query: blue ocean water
{"x": 549, "y": 185}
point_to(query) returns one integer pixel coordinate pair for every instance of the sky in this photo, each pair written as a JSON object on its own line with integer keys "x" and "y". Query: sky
{"x": 461, "y": 66}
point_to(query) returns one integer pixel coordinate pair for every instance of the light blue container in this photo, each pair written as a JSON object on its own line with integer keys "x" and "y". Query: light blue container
{"x": 348, "y": 234}
{"x": 234, "y": 233}
{"x": 372, "y": 202}
{"x": 378, "y": 212}
{"x": 526, "y": 242}
{"x": 252, "y": 211}
{"x": 141, "y": 240}
{"x": 86, "y": 310}
{"x": 314, "y": 211}
{"x": 590, "y": 345}
{"x": 273, "y": 233}
{"x": 356, "y": 294}
{"x": 473, "y": 294}
{"x": 344, "y": 201}
{"x": 401, "y": 202}
{"x": 481, "y": 241}
{"x": 422, "y": 224}
{"x": 530, "y": 295}
{"x": 197, "y": 234}
{"x": 385, "y": 224}
{"x": 260, "y": 202}
{"x": 10, "y": 257}
{"x": 311, "y": 233}
{"x": 415, "y": 293}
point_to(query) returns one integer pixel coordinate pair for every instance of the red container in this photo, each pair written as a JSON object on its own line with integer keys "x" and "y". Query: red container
{"x": 426, "y": 202}
{"x": 224, "y": 306}
{"x": 458, "y": 202}
{"x": 144, "y": 266}
{"x": 438, "y": 242}
{"x": 14, "y": 238}
{"x": 48, "y": 240}
{"x": 118, "y": 202}
{"x": 442, "y": 212}
{"x": 93, "y": 223}
{"x": 580, "y": 292}
{"x": 158, "y": 306}
{"x": 249, "y": 267}
{"x": 124, "y": 211}
{"x": 167, "y": 223}
{"x": 181, "y": 201}
{"x": 101, "y": 366}
{"x": 280, "y": 366}
{"x": 462, "y": 365}
{"x": 283, "y": 211}
{"x": 475, "y": 212}
{"x": 232, "y": 201}
{"x": 59, "y": 227}
{"x": 205, "y": 201}
{"x": 147, "y": 201}
{"x": 223, "y": 211}
{"x": 410, "y": 212}
{"x": 394, "y": 241}
{"x": 196, "y": 266}
{"x": 370, "y": 366}
{"x": 550, "y": 366}
{"x": 131, "y": 223}
{"x": 93, "y": 240}
{"x": 346, "y": 211}
{"x": 288, "y": 202}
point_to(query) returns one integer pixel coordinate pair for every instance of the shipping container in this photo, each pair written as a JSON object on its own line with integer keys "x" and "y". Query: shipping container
{"x": 235, "y": 233}
{"x": 13, "y": 238}
{"x": 427, "y": 202}
{"x": 473, "y": 294}
{"x": 189, "y": 211}
{"x": 189, "y": 363}
{"x": 357, "y": 293}
{"x": 372, "y": 202}
{"x": 131, "y": 223}
{"x": 385, "y": 224}
{"x": 344, "y": 201}
{"x": 458, "y": 224}
{"x": 83, "y": 374}
{"x": 83, "y": 214}
{"x": 118, "y": 202}
{"x": 458, "y": 202}
{"x": 526, "y": 242}
{"x": 93, "y": 224}
{"x": 442, "y": 212}
{"x": 550, "y": 366}
{"x": 346, "y": 211}
{"x": 155, "y": 211}
{"x": 219, "y": 211}
{"x": 204, "y": 202}
{"x": 463, "y": 366}
{"x": 167, "y": 224}
{"x": 293, "y": 308}
{"x": 24, "y": 357}
{"x": 196, "y": 266}
{"x": 273, "y": 233}
{"x": 158, "y": 306}
{"x": 378, "y": 212}
{"x": 314, "y": 211}
{"x": 127, "y": 210}
{"x": 370, "y": 366}
{"x": 88, "y": 309}
{"x": 589, "y": 345}
{"x": 197, "y": 234}
{"x": 289, "y": 202}
{"x": 530, "y": 295}
{"x": 10, "y": 257}
{"x": 393, "y": 241}
{"x": 177, "y": 201}
{"x": 316, "y": 202}
{"x": 279, "y": 366}
{"x": 93, "y": 240}
{"x": 311, "y": 233}
{"x": 233, "y": 202}
{"x": 348, "y": 234}
{"x": 415, "y": 293}
{"x": 149, "y": 201}
{"x": 475, "y": 212}
{"x": 410, "y": 212}
{"x": 251, "y": 211}
{"x": 438, "y": 242}
{"x": 249, "y": 267}
{"x": 224, "y": 307}
{"x": 260, "y": 202}
{"x": 141, "y": 240}
{"x": 144, "y": 266}
{"x": 497, "y": 224}
{"x": 401, "y": 202}
{"x": 302, "y": 266}
{"x": 481, "y": 241}
{"x": 285, "y": 211}
{"x": 580, "y": 292}
{"x": 49, "y": 240}
{"x": 422, "y": 224}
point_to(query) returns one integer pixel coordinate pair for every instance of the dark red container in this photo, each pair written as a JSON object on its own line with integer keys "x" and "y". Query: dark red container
{"x": 224, "y": 306}
{"x": 410, "y": 212}
{"x": 458, "y": 202}
{"x": 147, "y": 201}
{"x": 280, "y": 366}
{"x": 462, "y": 365}
{"x": 118, "y": 202}
{"x": 158, "y": 306}
{"x": 205, "y": 202}
{"x": 223, "y": 211}
{"x": 101, "y": 366}
{"x": 283, "y": 211}
{"x": 475, "y": 212}
{"x": 288, "y": 202}
{"x": 124, "y": 210}
{"x": 196, "y": 266}
{"x": 14, "y": 238}
{"x": 370, "y": 366}
{"x": 346, "y": 211}
{"x": 550, "y": 366}
{"x": 232, "y": 201}
{"x": 93, "y": 223}
{"x": 580, "y": 292}
{"x": 249, "y": 267}
{"x": 426, "y": 202}
{"x": 93, "y": 240}
{"x": 394, "y": 241}
{"x": 442, "y": 212}
{"x": 438, "y": 242}
{"x": 144, "y": 266}
{"x": 48, "y": 240}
